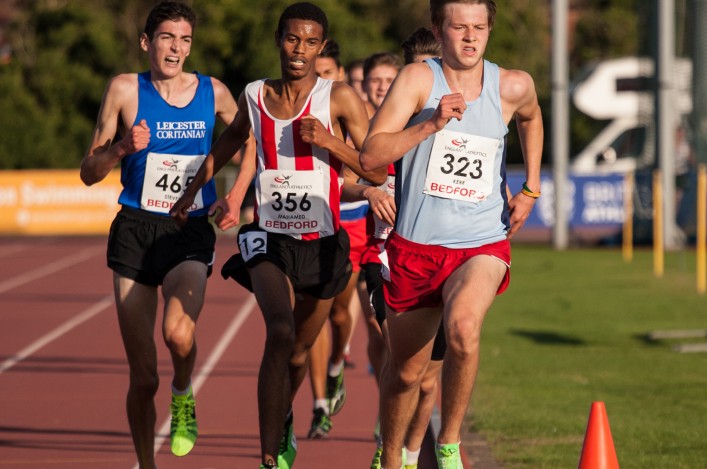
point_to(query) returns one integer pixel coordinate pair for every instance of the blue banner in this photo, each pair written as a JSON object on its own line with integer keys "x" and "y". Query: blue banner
{"x": 592, "y": 201}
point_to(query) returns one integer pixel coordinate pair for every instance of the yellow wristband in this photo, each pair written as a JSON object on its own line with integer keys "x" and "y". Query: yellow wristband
{"x": 527, "y": 191}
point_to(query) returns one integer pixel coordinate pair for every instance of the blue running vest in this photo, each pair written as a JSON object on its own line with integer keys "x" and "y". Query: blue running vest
{"x": 180, "y": 133}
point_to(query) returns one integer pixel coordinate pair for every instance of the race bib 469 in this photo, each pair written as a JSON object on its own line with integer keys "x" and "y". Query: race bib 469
{"x": 166, "y": 177}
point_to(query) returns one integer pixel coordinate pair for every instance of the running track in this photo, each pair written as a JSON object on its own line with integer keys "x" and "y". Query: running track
{"x": 63, "y": 375}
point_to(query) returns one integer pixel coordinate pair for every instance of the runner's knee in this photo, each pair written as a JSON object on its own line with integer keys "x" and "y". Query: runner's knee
{"x": 281, "y": 334}
{"x": 428, "y": 386}
{"x": 298, "y": 358}
{"x": 180, "y": 338}
{"x": 144, "y": 385}
{"x": 463, "y": 338}
{"x": 339, "y": 316}
{"x": 406, "y": 379}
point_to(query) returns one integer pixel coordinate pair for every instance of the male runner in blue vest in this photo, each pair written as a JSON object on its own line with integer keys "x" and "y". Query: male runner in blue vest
{"x": 165, "y": 117}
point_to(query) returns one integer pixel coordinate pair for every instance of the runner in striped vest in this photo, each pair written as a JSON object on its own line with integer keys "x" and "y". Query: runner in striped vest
{"x": 293, "y": 257}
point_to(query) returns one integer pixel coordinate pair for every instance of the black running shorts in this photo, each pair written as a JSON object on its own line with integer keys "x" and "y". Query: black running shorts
{"x": 320, "y": 268}
{"x": 374, "y": 286}
{"x": 144, "y": 247}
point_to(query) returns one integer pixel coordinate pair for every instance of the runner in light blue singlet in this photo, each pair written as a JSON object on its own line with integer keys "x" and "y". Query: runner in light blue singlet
{"x": 466, "y": 223}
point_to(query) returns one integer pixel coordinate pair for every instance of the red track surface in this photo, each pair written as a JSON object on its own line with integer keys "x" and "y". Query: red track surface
{"x": 63, "y": 374}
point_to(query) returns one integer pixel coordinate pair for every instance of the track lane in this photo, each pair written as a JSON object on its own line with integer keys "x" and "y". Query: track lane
{"x": 62, "y": 404}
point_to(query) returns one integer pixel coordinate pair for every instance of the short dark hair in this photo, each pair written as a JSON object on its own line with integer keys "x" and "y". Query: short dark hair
{"x": 168, "y": 11}
{"x": 331, "y": 51}
{"x": 303, "y": 11}
{"x": 421, "y": 42}
{"x": 381, "y": 58}
{"x": 353, "y": 64}
{"x": 437, "y": 10}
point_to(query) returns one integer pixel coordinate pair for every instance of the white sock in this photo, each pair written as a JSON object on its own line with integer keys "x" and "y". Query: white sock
{"x": 347, "y": 350}
{"x": 335, "y": 368}
{"x": 411, "y": 457}
{"x": 322, "y": 404}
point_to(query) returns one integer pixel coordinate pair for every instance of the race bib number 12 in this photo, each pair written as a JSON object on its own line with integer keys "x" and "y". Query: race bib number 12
{"x": 252, "y": 243}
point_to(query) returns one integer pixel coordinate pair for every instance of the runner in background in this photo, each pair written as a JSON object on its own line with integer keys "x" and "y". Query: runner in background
{"x": 327, "y": 356}
{"x": 294, "y": 256}
{"x": 354, "y": 77}
{"x": 421, "y": 45}
{"x": 379, "y": 72}
{"x": 444, "y": 123}
{"x": 166, "y": 117}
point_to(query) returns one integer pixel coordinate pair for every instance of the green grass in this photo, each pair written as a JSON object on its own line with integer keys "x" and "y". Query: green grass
{"x": 571, "y": 330}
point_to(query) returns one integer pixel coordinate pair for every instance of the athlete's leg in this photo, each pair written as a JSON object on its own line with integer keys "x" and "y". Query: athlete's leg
{"x": 137, "y": 312}
{"x": 411, "y": 336}
{"x": 425, "y": 406}
{"x": 329, "y": 347}
{"x": 183, "y": 290}
{"x": 275, "y": 297}
{"x": 310, "y": 315}
{"x": 376, "y": 347}
{"x": 468, "y": 295}
{"x": 318, "y": 360}
{"x": 355, "y": 311}
{"x": 318, "y": 364}
{"x": 341, "y": 321}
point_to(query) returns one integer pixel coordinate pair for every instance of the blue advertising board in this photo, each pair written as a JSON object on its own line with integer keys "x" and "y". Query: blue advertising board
{"x": 591, "y": 201}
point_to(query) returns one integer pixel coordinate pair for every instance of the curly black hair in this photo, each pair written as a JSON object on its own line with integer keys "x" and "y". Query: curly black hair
{"x": 303, "y": 11}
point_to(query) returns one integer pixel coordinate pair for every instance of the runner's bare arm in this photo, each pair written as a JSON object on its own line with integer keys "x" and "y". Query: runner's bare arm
{"x": 228, "y": 208}
{"x": 224, "y": 103}
{"x": 520, "y": 101}
{"x": 351, "y": 190}
{"x": 230, "y": 140}
{"x": 103, "y": 154}
{"x": 350, "y": 111}
{"x": 313, "y": 132}
{"x": 388, "y": 139}
{"x": 380, "y": 203}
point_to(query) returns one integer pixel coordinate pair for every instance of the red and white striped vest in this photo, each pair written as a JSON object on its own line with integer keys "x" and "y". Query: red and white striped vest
{"x": 280, "y": 147}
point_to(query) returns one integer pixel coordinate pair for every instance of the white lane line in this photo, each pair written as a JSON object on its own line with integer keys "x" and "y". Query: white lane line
{"x": 47, "y": 269}
{"x": 56, "y": 333}
{"x": 203, "y": 373}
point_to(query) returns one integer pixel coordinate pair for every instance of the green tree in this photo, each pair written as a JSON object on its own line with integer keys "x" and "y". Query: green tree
{"x": 62, "y": 56}
{"x": 235, "y": 40}
{"x": 65, "y": 51}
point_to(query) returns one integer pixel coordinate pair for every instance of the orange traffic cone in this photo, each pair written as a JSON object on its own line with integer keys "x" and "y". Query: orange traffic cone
{"x": 598, "y": 450}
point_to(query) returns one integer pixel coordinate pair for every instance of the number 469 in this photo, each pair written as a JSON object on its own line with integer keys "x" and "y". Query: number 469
{"x": 175, "y": 186}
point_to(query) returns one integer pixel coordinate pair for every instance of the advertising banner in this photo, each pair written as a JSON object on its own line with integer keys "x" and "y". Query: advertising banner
{"x": 56, "y": 202}
{"x": 591, "y": 201}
